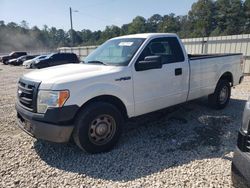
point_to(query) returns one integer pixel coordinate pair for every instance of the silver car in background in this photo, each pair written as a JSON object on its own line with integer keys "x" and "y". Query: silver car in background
{"x": 27, "y": 64}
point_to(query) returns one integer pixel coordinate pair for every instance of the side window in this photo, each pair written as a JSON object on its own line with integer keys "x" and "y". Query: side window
{"x": 56, "y": 57}
{"x": 71, "y": 58}
{"x": 64, "y": 57}
{"x": 168, "y": 48}
{"x": 15, "y": 54}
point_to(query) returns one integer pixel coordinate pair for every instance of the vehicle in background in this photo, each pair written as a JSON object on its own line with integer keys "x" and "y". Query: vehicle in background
{"x": 241, "y": 161}
{"x": 125, "y": 77}
{"x": 55, "y": 59}
{"x": 27, "y": 64}
{"x": 20, "y": 60}
{"x": 12, "y": 55}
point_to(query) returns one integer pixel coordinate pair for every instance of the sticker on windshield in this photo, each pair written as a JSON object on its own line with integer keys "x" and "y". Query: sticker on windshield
{"x": 126, "y": 43}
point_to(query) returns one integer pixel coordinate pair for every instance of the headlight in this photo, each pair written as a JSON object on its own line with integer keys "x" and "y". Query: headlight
{"x": 51, "y": 99}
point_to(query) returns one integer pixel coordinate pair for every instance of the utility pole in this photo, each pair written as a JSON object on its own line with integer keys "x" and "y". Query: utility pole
{"x": 71, "y": 27}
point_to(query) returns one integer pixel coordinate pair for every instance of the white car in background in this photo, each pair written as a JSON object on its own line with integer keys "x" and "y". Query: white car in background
{"x": 28, "y": 63}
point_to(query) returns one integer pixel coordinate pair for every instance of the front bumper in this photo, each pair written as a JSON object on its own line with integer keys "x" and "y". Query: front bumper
{"x": 241, "y": 169}
{"x": 45, "y": 131}
{"x": 48, "y": 126}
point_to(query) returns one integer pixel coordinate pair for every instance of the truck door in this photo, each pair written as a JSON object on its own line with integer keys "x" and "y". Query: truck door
{"x": 155, "y": 89}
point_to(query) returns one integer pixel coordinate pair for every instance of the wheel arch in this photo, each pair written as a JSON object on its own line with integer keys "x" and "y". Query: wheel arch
{"x": 109, "y": 99}
{"x": 227, "y": 76}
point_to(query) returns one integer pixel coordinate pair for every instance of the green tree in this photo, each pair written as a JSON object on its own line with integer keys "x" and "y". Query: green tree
{"x": 229, "y": 17}
{"x": 124, "y": 29}
{"x": 138, "y": 25}
{"x": 2, "y": 23}
{"x": 86, "y": 36}
{"x": 24, "y": 24}
{"x": 110, "y": 32}
{"x": 153, "y": 22}
{"x": 247, "y": 16}
{"x": 185, "y": 27}
{"x": 170, "y": 24}
{"x": 235, "y": 21}
{"x": 201, "y": 18}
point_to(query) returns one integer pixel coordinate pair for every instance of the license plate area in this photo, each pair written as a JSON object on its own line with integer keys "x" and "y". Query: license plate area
{"x": 26, "y": 125}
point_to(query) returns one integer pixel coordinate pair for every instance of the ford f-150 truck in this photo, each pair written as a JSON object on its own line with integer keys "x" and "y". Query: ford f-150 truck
{"x": 125, "y": 77}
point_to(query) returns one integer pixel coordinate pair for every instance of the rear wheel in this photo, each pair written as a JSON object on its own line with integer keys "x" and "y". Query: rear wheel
{"x": 98, "y": 127}
{"x": 221, "y": 96}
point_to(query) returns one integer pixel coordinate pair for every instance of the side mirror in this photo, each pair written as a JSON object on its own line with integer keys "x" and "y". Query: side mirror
{"x": 149, "y": 62}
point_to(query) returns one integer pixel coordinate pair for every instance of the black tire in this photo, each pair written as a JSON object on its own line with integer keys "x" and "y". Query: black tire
{"x": 219, "y": 100}
{"x": 5, "y": 62}
{"x": 32, "y": 66}
{"x": 89, "y": 121}
{"x": 42, "y": 65}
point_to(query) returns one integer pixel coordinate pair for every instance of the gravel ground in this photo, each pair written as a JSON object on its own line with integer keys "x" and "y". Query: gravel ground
{"x": 189, "y": 145}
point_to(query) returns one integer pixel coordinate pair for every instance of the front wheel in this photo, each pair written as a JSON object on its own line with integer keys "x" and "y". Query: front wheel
{"x": 5, "y": 62}
{"x": 221, "y": 96}
{"x": 98, "y": 127}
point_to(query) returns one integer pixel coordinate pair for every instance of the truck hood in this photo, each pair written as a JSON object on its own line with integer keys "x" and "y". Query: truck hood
{"x": 68, "y": 72}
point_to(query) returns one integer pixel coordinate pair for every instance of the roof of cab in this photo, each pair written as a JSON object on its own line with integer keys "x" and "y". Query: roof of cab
{"x": 147, "y": 35}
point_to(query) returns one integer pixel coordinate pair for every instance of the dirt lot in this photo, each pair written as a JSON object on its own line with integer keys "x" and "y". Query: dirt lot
{"x": 187, "y": 146}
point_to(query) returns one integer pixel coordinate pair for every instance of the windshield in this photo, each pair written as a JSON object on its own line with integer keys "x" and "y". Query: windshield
{"x": 41, "y": 57}
{"x": 117, "y": 52}
{"x": 50, "y": 55}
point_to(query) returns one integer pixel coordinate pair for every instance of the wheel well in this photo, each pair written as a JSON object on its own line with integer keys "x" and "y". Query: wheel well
{"x": 227, "y": 76}
{"x": 112, "y": 100}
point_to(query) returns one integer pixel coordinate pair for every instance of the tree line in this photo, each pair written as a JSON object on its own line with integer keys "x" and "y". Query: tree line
{"x": 206, "y": 18}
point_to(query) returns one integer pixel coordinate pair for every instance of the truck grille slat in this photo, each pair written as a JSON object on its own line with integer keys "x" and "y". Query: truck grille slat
{"x": 25, "y": 100}
{"x": 248, "y": 142}
{"x": 29, "y": 89}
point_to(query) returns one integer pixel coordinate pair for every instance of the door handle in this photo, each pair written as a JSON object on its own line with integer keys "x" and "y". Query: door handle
{"x": 178, "y": 71}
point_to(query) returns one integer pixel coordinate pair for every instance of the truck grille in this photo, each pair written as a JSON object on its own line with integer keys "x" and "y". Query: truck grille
{"x": 247, "y": 142}
{"x": 27, "y": 93}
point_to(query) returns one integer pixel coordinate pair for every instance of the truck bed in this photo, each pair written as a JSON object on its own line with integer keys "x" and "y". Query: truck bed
{"x": 206, "y": 70}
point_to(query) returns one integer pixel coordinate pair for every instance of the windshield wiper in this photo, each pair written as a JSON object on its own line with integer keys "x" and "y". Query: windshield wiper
{"x": 97, "y": 62}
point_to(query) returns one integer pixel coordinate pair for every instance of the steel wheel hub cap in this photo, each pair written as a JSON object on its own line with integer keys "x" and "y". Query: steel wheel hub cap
{"x": 102, "y": 129}
{"x": 223, "y": 95}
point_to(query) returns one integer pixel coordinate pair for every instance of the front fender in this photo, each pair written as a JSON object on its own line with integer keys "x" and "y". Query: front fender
{"x": 124, "y": 93}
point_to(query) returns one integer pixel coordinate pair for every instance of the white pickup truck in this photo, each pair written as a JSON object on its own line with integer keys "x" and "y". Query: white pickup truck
{"x": 125, "y": 77}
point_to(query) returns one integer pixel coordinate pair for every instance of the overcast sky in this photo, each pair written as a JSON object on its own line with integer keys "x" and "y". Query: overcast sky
{"x": 91, "y": 14}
